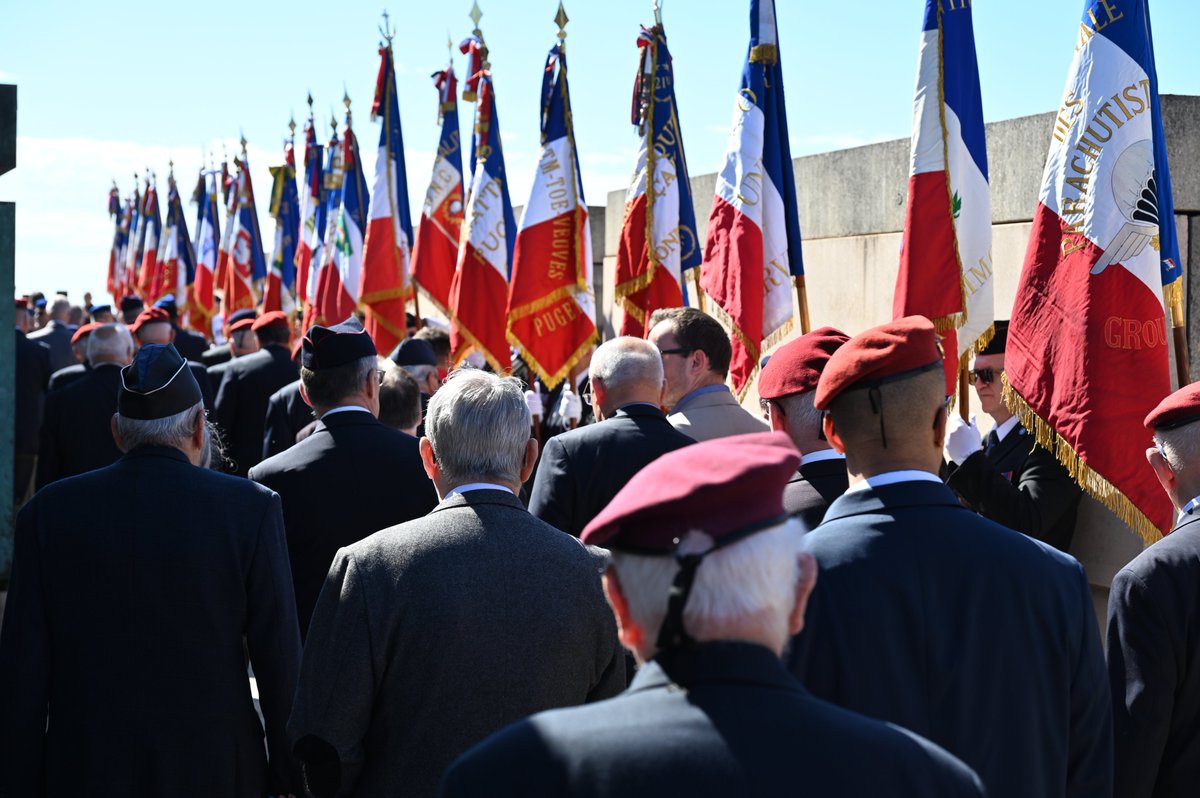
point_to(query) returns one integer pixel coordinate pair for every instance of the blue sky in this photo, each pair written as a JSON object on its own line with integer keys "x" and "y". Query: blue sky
{"x": 104, "y": 90}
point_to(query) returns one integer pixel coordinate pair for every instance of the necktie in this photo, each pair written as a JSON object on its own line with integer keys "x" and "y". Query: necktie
{"x": 993, "y": 440}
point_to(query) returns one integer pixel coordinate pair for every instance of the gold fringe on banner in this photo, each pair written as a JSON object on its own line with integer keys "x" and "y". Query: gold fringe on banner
{"x": 753, "y": 347}
{"x": 764, "y": 54}
{"x": 1096, "y": 486}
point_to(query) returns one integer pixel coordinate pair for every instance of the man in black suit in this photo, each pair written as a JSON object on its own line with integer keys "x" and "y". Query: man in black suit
{"x": 932, "y": 617}
{"x": 242, "y": 342}
{"x": 1011, "y": 480}
{"x": 131, "y": 306}
{"x": 581, "y": 470}
{"x": 431, "y": 635}
{"x": 57, "y": 334}
{"x": 339, "y": 379}
{"x": 702, "y": 534}
{"x": 247, "y": 386}
{"x": 122, "y": 655}
{"x": 153, "y": 326}
{"x": 189, "y": 344}
{"x": 79, "y": 341}
{"x": 224, "y": 351}
{"x": 786, "y": 388}
{"x": 287, "y": 414}
{"x": 1153, "y": 629}
{"x": 77, "y": 435}
{"x": 32, "y": 361}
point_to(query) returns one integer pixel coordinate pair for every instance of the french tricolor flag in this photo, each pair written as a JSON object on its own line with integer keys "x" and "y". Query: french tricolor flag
{"x": 151, "y": 231}
{"x": 312, "y": 225}
{"x": 343, "y": 260}
{"x": 479, "y": 292}
{"x": 753, "y": 246}
{"x": 384, "y": 287}
{"x": 945, "y": 259}
{"x": 1087, "y": 354}
{"x": 551, "y": 307}
{"x": 207, "y": 245}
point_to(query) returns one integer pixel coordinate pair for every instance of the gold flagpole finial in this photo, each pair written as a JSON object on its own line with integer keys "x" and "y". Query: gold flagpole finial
{"x": 346, "y": 101}
{"x": 561, "y": 20}
{"x": 242, "y": 133}
{"x": 310, "y": 103}
{"x": 333, "y": 121}
{"x": 658, "y": 12}
{"x": 449, "y": 48}
{"x": 292, "y": 125}
{"x": 476, "y": 15}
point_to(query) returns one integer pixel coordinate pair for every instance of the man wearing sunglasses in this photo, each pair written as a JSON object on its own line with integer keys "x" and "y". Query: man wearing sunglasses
{"x": 1007, "y": 477}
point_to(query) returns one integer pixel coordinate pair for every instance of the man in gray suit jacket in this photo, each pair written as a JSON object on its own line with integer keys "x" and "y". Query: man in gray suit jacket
{"x": 430, "y": 635}
{"x": 696, "y": 353}
{"x": 57, "y": 335}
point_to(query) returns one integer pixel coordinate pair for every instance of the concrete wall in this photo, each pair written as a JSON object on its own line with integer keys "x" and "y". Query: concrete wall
{"x": 851, "y": 206}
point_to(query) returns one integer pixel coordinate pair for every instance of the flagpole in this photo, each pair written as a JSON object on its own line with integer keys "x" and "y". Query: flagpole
{"x": 699, "y": 291}
{"x": 1178, "y": 328}
{"x": 963, "y": 397}
{"x": 802, "y": 298}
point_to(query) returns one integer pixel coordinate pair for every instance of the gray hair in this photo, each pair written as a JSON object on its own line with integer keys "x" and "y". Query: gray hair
{"x": 626, "y": 361}
{"x": 330, "y": 386}
{"x": 479, "y": 425}
{"x": 172, "y": 431}
{"x": 802, "y": 416}
{"x": 110, "y": 343}
{"x": 420, "y": 372}
{"x": 750, "y": 585}
{"x": 1181, "y": 447}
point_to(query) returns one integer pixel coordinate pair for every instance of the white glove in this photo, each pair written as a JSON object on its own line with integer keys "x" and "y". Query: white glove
{"x": 534, "y": 400}
{"x": 962, "y": 438}
{"x": 570, "y": 406}
{"x": 476, "y": 360}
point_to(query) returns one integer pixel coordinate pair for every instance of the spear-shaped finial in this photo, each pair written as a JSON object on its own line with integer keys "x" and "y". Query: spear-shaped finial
{"x": 292, "y": 125}
{"x": 333, "y": 121}
{"x": 346, "y": 101}
{"x": 170, "y": 166}
{"x": 658, "y": 12}
{"x": 387, "y": 31}
{"x": 242, "y": 133}
{"x": 310, "y": 111}
{"x": 476, "y": 15}
{"x": 561, "y": 20}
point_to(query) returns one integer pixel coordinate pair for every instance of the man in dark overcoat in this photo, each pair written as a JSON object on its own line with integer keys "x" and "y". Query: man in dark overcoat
{"x": 932, "y": 617}
{"x": 350, "y": 453}
{"x": 123, "y": 648}
{"x": 431, "y": 635}
{"x": 32, "y": 373}
{"x": 581, "y": 470}
{"x": 708, "y": 578}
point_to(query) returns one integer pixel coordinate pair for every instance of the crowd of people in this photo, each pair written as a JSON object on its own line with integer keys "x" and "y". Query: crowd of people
{"x": 285, "y": 563}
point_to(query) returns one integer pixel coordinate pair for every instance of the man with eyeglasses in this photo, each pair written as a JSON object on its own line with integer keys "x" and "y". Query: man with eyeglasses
{"x": 1153, "y": 630}
{"x": 1007, "y": 477}
{"x": 349, "y": 453}
{"x": 696, "y": 353}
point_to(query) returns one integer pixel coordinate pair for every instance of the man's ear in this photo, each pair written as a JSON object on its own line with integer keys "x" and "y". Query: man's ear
{"x": 198, "y": 431}
{"x": 530, "y": 462}
{"x": 805, "y": 583}
{"x": 116, "y": 433}
{"x": 630, "y": 633}
{"x": 831, "y": 434}
{"x": 1162, "y": 470}
{"x": 304, "y": 395}
{"x": 427, "y": 459}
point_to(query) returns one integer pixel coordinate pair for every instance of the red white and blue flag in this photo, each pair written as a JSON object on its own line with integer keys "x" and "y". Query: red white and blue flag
{"x": 280, "y": 290}
{"x": 340, "y": 279}
{"x": 658, "y": 234}
{"x": 201, "y": 306}
{"x": 1087, "y": 343}
{"x": 229, "y": 192}
{"x": 753, "y": 245}
{"x": 137, "y": 237}
{"x": 116, "y": 256}
{"x": 945, "y": 259}
{"x": 332, "y": 177}
{"x": 312, "y": 222}
{"x": 247, "y": 265}
{"x": 551, "y": 304}
{"x": 151, "y": 232}
{"x": 177, "y": 260}
{"x": 435, "y": 251}
{"x": 479, "y": 292}
{"x": 385, "y": 287}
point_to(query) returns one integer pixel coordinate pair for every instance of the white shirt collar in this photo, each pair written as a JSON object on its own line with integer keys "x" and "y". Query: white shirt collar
{"x": 891, "y": 478}
{"x": 1002, "y": 430}
{"x": 475, "y": 486}
{"x": 823, "y": 454}
{"x": 1190, "y": 507}
{"x": 344, "y": 409}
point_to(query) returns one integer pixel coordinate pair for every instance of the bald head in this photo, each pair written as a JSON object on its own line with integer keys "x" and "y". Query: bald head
{"x": 60, "y": 309}
{"x": 900, "y": 425}
{"x": 110, "y": 343}
{"x": 159, "y": 332}
{"x": 625, "y": 370}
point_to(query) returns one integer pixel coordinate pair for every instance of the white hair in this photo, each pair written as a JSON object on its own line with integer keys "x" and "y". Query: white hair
{"x": 110, "y": 343}
{"x": 172, "y": 431}
{"x": 802, "y": 416}
{"x": 479, "y": 425}
{"x": 626, "y": 361}
{"x": 1181, "y": 447}
{"x": 750, "y": 585}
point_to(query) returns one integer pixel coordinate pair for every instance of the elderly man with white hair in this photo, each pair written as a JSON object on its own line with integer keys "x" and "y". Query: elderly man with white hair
{"x": 709, "y": 577}
{"x": 582, "y": 470}
{"x": 430, "y": 635}
{"x": 124, "y": 643}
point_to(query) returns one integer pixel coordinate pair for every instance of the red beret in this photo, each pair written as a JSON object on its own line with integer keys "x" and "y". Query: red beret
{"x": 796, "y": 366}
{"x": 891, "y": 351}
{"x": 276, "y": 318}
{"x": 84, "y": 331}
{"x": 722, "y": 487}
{"x": 242, "y": 324}
{"x": 1178, "y": 409}
{"x": 149, "y": 316}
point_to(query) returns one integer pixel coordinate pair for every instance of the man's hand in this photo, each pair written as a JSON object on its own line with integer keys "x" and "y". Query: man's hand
{"x": 962, "y": 439}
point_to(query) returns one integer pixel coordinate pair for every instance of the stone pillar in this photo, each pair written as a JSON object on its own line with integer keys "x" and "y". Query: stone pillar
{"x": 8, "y": 161}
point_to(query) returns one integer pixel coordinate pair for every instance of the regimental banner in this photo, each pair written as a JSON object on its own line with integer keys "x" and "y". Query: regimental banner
{"x": 1087, "y": 343}
{"x": 479, "y": 290}
{"x": 332, "y": 179}
{"x": 312, "y": 222}
{"x": 658, "y": 240}
{"x": 753, "y": 245}
{"x": 118, "y": 212}
{"x": 435, "y": 252}
{"x": 945, "y": 259}
{"x": 551, "y": 305}
{"x": 246, "y": 265}
{"x": 385, "y": 287}
{"x": 137, "y": 237}
{"x": 348, "y": 222}
{"x": 176, "y": 259}
{"x": 151, "y": 231}
{"x": 201, "y": 306}
{"x": 280, "y": 291}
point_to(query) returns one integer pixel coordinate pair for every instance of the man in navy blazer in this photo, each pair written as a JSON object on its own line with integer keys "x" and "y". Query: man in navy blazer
{"x": 932, "y": 617}
{"x": 708, "y": 576}
{"x": 350, "y": 453}
{"x": 581, "y": 470}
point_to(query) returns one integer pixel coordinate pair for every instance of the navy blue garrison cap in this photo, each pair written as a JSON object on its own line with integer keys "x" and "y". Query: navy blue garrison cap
{"x": 414, "y": 352}
{"x": 157, "y": 384}
{"x": 330, "y": 347}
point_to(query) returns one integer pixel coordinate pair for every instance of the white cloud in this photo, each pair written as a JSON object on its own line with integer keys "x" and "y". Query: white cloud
{"x": 9, "y": 77}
